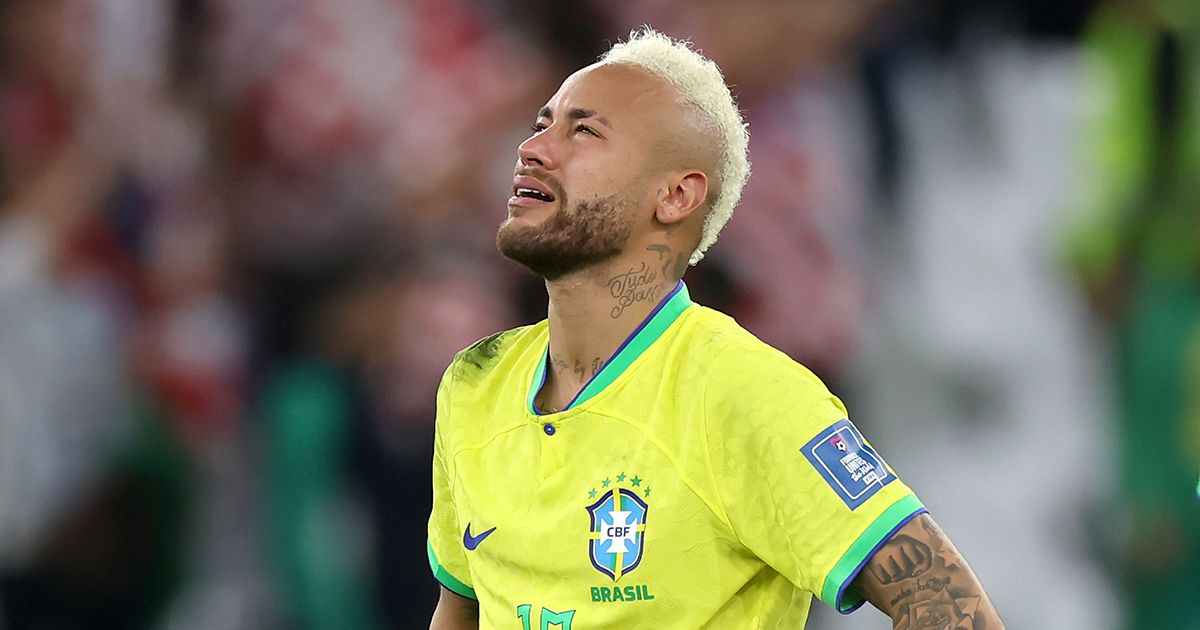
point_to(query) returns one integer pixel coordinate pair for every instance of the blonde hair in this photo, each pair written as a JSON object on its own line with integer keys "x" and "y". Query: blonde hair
{"x": 702, "y": 87}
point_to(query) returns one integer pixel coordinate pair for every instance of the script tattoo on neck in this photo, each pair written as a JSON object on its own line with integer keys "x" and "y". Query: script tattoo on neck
{"x": 581, "y": 370}
{"x": 928, "y": 588}
{"x": 632, "y": 287}
{"x": 559, "y": 363}
{"x": 588, "y": 371}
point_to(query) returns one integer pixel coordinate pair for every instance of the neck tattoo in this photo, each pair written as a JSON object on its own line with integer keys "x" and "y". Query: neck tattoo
{"x": 639, "y": 284}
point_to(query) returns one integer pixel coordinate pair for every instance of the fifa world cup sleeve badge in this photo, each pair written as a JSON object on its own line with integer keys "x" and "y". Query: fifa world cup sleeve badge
{"x": 853, "y": 470}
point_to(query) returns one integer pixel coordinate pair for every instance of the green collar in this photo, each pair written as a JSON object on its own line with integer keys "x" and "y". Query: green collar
{"x": 651, "y": 328}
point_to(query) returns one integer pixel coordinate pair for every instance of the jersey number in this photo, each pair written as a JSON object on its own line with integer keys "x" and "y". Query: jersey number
{"x": 549, "y": 618}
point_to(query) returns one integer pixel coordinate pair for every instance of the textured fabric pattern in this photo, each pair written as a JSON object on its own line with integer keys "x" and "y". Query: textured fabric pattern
{"x": 704, "y": 429}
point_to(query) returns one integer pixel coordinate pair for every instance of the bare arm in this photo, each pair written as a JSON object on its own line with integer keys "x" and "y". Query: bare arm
{"x": 455, "y": 612}
{"x": 921, "y": 581}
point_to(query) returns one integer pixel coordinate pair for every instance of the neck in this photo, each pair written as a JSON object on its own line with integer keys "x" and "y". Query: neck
{"x": 592, "y": 312}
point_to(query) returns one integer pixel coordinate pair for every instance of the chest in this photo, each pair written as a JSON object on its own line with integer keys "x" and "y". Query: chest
{"x": 592, "y": 512}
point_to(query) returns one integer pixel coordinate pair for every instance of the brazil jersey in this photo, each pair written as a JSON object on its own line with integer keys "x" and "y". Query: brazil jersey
{"x": 700, "y": 479}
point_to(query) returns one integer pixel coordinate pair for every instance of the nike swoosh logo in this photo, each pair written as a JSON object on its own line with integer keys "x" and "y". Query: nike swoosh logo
{"x": 471, "y": 542}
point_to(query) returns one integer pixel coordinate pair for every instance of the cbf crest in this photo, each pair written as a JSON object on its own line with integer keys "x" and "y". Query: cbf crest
{"x": 617, "y": 539}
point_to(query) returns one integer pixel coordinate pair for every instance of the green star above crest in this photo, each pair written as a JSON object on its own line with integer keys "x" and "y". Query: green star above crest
{"x": 606, "y": 482}
{"x": 636, "y": 480}
{"x": 592, "y": 494}
{"x": 647, "y": 490}
{"x": 621, "y": 477}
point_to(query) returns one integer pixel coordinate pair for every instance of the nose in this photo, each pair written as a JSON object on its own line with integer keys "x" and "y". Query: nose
{"x": 536, "y": 151}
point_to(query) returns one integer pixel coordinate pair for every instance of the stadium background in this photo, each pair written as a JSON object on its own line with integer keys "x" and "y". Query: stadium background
{"x": 239, "y": 241}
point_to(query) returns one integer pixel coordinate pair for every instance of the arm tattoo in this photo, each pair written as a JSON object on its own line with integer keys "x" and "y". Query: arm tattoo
{"x": 919, "y": 578}
{"x": 907, "y": 558}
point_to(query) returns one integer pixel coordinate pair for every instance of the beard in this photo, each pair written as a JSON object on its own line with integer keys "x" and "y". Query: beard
{"x": 571, "y": 239}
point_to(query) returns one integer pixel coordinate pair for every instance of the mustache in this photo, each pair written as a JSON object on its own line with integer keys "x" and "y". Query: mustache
{"x": 546, "y": 178}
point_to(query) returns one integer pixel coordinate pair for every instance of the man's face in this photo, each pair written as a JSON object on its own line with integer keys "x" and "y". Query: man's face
{"x": 581, "y": 185}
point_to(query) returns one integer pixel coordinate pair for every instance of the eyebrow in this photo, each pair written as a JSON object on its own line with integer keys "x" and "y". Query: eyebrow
{"x": 576, "y": 113}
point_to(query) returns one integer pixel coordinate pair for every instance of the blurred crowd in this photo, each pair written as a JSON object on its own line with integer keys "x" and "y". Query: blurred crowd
{"x": 240, "y": 241}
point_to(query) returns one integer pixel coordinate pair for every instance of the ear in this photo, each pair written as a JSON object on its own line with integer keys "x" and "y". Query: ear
{"x": 684, "y": 193}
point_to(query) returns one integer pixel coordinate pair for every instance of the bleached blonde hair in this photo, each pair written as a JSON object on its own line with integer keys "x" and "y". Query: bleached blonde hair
{"x": 702, "y": 87}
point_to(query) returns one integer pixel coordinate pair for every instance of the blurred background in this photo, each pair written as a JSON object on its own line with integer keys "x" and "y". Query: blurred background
{"x": 240, "y": 241}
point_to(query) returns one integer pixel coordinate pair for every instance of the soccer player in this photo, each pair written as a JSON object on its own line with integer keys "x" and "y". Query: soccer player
{"x": 638, "y": 460}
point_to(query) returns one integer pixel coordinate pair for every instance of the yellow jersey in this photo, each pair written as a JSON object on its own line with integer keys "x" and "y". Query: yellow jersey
{"x": 700, "y": 479}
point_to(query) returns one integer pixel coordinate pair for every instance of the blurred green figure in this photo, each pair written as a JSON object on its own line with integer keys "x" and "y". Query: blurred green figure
{"x": 306, "y": 411}
{"x": 1137, "y": 248}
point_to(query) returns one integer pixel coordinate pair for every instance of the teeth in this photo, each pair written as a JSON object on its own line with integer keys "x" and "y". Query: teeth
{"x": 529, "y": 192}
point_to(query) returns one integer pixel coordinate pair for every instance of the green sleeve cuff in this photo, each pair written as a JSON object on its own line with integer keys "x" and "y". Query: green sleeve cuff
{"x": 449, "y": 581}
{"x": 836, "y": 591}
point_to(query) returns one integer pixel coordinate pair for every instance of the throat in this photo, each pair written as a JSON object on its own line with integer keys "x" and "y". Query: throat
{"x": 565, "y": 379}
{"x": 592, "y": 329}
{"x": 553, "y": 399}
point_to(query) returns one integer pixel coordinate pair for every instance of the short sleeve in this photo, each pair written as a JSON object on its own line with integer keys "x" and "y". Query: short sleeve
{"x": 801, "y": 487}
{"x": 446, "y": 556}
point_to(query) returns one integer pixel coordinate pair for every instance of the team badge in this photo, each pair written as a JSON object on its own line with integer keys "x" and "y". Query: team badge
{"x": 851, "y": 467}
{"x": 617, "y": 536}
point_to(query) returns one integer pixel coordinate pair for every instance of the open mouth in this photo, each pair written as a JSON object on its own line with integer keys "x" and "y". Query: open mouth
{"x": 526, "y": 187}
{"x": 533, "y": 194}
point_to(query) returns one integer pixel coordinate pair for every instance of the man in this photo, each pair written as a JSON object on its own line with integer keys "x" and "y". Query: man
{"x": 638, "y": 460}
